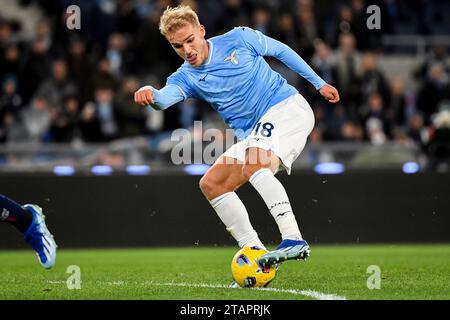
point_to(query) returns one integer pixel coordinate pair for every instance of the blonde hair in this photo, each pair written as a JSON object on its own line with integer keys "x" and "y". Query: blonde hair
{"x": 174, "y": 18}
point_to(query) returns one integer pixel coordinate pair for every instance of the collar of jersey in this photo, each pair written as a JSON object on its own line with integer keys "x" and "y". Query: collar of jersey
{"x": 210, "y": 54}
{"x": 211, "y": 50}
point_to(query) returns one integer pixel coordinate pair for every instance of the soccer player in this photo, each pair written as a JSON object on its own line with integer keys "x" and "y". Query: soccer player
{"x": 270, "y": 118}
{"x": 29, "y": 220}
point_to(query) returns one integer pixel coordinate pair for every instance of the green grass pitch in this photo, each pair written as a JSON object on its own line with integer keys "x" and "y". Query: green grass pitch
{"x": 338, "y": 271}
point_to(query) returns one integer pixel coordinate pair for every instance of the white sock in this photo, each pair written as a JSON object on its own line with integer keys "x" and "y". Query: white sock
{"x": 276, "y": 199}
{"x": 233, "y": 214}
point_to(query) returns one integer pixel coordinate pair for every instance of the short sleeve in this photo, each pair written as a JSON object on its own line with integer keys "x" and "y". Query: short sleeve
{"x": 254, "y": 39}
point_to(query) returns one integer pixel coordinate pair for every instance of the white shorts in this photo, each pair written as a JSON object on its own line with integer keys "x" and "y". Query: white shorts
{"x": 283, "y": 130}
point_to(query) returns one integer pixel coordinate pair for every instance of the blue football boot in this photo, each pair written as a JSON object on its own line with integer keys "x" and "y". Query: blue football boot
{"x": 40, "y": 239}
{"x": 287, "y": 250}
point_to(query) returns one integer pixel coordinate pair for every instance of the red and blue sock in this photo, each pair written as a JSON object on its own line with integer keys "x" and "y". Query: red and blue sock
{"x": 14, "y": 214}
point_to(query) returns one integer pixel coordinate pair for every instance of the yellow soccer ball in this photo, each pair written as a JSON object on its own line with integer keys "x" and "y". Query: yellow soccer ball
{"x": 246, "y": 270}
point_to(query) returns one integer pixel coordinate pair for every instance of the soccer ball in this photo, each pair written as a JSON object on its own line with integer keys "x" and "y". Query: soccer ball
{"x": 246, "y": 270}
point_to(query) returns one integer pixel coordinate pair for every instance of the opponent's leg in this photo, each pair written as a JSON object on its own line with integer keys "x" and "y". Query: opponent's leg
{"x": 259, "y": 168}
{"x": 13, "y": 213}
{"x": 29, "y": 220}
{"x": 218, "y": 186}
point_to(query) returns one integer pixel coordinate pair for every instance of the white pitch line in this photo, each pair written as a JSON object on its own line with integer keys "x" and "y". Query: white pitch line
{"x": 308, "y": 293}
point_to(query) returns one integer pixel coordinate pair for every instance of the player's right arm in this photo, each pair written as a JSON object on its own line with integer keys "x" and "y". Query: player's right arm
{"x": 158, "y": 99}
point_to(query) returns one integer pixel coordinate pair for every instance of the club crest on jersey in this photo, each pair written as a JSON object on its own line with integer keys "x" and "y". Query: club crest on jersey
{"x": 232, "y": 58}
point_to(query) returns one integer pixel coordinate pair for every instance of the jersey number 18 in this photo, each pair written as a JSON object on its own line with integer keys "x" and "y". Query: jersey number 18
{"x": 266, "y": 129}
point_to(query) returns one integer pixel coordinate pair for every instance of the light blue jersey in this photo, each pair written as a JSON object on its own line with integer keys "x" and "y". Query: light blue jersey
{"x": 236, "y": 80}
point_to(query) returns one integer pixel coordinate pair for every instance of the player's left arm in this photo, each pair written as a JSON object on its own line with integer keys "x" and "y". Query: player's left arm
{"x": 290, "y": 58}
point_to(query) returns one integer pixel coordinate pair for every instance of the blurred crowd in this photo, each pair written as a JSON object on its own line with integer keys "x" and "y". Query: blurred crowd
{"x": 59, "y": 85}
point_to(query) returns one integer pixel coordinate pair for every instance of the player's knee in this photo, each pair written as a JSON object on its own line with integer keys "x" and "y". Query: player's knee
{"x": 249, "y": 169}
{"x": 206, "y": 186}
{"x": 210, "y": 188}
